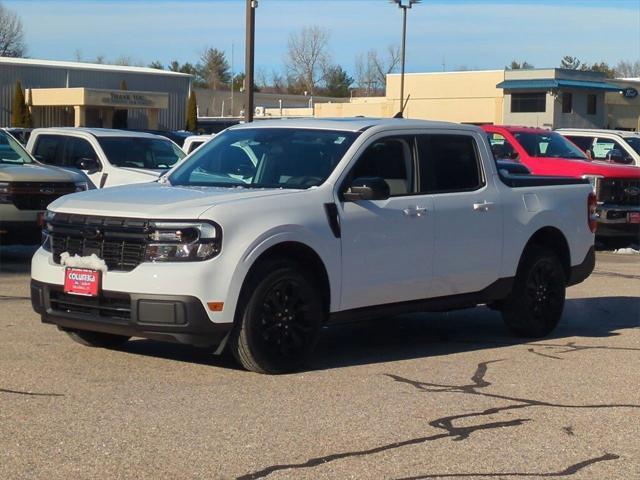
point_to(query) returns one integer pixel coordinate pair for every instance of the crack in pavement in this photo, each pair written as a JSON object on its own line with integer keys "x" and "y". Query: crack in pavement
{"x": 570, "y": 470}
{"x": 451, "y": 430}
{"x": 604, "y": 273}
{"x": 35, "y": 394}
{"x": 10, "y": 297}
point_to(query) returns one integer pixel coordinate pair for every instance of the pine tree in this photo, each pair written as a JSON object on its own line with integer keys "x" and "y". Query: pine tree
{"x": 192, "y": 113}
{"x": 27, "y": 119}
{"x": 18, "y": 108}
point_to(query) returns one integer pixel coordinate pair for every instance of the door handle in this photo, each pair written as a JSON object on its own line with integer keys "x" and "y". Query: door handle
{"x": 482, "y": 207}
{"x": 414, "y": 211}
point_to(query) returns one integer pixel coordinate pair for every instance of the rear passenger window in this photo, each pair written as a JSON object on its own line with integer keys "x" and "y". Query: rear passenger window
{"x": 78, "y": 149}
{"x": 448, "y": 163}
{"x": 391, "y": 160}
{"x": 48, "y": 149}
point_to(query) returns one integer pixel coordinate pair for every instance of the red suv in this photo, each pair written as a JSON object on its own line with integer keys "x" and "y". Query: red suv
{"x": 545, "y": 152}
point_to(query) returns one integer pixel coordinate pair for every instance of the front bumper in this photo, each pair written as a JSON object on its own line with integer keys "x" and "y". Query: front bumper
{"x": 613, "y": 222}
{"x": 173, "y": 318}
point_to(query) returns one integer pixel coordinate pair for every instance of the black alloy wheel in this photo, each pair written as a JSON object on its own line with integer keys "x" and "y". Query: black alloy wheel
{"x": 279, "y": 318}
{"x": 535, "y": 305}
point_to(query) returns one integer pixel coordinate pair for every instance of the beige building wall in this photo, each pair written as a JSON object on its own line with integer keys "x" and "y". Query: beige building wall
{"x": 623, "y": 112}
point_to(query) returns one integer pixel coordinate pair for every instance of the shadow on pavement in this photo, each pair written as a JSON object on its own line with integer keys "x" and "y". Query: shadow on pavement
{"x": 424, "y": 335}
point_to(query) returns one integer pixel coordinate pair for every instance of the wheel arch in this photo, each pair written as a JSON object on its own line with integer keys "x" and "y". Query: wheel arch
{"x": 553, "y": 239}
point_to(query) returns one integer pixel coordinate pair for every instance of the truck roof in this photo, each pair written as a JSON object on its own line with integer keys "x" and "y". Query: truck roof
{"x": 96, "y": 132}
{"x": 599, "y": 131}
{"x": 352, "y": 124}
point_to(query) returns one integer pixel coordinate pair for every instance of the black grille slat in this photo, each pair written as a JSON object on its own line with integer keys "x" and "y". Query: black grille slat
{"x": 37, "y": 195}
{"x": 106, "y": 307}
{"x": 620, "y": 191}
{"x": 120, "y": 242}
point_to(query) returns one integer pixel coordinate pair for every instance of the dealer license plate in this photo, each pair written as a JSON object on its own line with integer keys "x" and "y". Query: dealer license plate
{"x": 634, "y": 217}
{"x": 82, "y": 281}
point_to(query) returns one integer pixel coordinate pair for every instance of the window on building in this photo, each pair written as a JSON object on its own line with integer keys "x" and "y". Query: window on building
{"x": 448, "y": 163}
{"x": 531, "y": 102}
{"x": 592, "y": 103}
{"x": 567, "y": 102}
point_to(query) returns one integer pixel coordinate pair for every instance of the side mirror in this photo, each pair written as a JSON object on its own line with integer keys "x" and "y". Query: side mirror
{"x": 90, "y": 165}
{"x": 616, "y": 156}
{"x": 367, "y": 188}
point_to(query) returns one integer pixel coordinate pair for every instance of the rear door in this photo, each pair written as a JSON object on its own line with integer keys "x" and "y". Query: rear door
{"x": 387, "y": 245}
{"x": 467, "y": 212}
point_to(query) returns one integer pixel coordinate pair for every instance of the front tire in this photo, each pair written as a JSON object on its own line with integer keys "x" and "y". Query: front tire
{"x": 279, "y": 316}
{"x": 97, "y": 339}
{"x": 534, "y": 307}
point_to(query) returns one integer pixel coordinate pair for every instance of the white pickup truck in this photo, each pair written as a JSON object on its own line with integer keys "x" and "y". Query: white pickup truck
{"x": 273, "y": 229}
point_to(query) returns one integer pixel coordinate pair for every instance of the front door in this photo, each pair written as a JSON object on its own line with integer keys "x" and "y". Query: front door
{"x": 387, "y": 245}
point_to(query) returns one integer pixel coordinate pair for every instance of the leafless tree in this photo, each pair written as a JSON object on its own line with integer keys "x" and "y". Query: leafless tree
{"x": 307, "y": 57}
{"x": 373, "y": 67}
{"x": 11, "y": 34}
{"x": 627, "y": 69}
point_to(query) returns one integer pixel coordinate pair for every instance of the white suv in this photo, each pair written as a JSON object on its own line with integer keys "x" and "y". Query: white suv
{"x": 270, "y": 230}
{"x": 617, "y": 146}
{"x": 108, "y": 157}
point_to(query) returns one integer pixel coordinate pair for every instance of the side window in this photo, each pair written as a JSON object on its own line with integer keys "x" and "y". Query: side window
{"x": 390, "y": 159}
{"x": 48, "y": 149}
{"x": 78, "y": 149}
{"x": 448, "y": 163}
{"x": 194, "y": 146}
{"x": 603, "y": 146}
{"x": 501, "y": 148}
{"x": 584, "y": 143}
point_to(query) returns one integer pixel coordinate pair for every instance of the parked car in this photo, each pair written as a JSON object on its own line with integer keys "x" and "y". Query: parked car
{"x": 26, "y": 188}
{"x": 194, "y": 141}
{"x": 176, "y": 136}
{"x": 617, "y": 146}
{"x": 20, "y": 134}
{"x": 326, "y": 220}
{"x": 108, "y": 157}
{"x": 548, "y": 153}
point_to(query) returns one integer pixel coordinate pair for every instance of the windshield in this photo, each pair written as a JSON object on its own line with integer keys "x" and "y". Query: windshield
{"x": 265, "y": 158}
{"x": 634, "y": 142}
{"x": 11, "y": 151}
{"x": 548, "y": 144}
{"x": 135, "y": 152}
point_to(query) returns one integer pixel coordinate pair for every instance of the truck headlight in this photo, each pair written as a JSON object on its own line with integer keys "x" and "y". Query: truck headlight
{"x": 594, "y": 180}
{"x": 5, "y": 192}
{"x": 183, "y": 241}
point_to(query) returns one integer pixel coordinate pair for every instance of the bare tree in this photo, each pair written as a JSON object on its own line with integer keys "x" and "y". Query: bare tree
{"x": 627, "y": 69}
{"x": 11, "y": 34}
{"x": 373, "y": 67}
{"x": 307, "y": 57}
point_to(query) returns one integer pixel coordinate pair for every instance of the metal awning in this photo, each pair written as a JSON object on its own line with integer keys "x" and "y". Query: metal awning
{"x": 551, "y": 83}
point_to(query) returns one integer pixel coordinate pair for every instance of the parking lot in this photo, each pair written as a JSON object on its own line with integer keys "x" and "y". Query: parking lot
{"x": 425, "y": 396}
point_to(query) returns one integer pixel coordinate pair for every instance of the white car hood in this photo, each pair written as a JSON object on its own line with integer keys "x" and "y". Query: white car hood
{"x": 155, "y": 200}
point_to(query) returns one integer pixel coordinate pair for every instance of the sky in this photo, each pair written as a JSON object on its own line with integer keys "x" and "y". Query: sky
{"x": 441, "y": 34}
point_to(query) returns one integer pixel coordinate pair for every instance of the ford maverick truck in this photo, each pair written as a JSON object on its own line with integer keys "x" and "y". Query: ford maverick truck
{"x": 271, "y": 230}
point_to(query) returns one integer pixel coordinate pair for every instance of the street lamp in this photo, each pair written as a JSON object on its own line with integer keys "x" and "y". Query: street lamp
{"x": 249, "y": 59}
{"x": 404, "y": 5}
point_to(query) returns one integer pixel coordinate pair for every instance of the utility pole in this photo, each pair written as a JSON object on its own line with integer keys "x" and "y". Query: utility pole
{"x": 404, "y": 5}
{"x": 249, "y": 59}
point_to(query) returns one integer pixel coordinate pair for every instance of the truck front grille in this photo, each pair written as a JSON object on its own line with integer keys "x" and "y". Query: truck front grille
{"x": 115, "y": 307}
{"x": 37, "y": 195}
{"x": 619, "y": 191}
{"x": 120, "y": 242}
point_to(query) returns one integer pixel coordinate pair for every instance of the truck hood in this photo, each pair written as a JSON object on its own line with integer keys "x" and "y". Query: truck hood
{"x": 37, "y": 173}
{"x": 155, "y": 200}
{"x": 151, "y": 173}
{"x": 577, "y": 168}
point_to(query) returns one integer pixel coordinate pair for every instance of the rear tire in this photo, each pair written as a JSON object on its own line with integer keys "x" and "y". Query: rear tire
{"x": 280, "y": 312}
{"x": 534, "y": 307}
{"x": 97, "y": 339}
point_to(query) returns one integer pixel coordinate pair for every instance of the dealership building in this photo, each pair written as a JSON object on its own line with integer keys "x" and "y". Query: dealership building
{"x": 549, "y": 98}
{"x": 86, "y": 94}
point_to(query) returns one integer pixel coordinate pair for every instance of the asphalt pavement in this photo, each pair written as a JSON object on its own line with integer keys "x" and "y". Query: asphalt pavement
{"x": 448, "y": 395}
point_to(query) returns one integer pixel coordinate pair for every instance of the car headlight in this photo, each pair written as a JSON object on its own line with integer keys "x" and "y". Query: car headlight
{"x": 81, "y": 186}
{"x": 5, "y": 192}
{"x": 183, "y": 241}
{"x": 594, "y": 180}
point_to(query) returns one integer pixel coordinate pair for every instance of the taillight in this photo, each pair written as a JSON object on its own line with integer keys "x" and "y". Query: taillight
{"x": 592, "y": 216}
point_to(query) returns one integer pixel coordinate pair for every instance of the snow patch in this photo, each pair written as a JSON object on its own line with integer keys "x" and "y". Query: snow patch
{"x": 92, "y": 262}
{"x": 627, "y": 251}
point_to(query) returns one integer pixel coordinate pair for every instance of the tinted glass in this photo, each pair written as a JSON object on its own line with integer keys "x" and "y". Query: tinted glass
{"x": 389, "y": 159}
{"x": 583, "y": 142}
{"x": 77, "y": 150}
{"x": 634, "y": 142}
{"x": 133, "y": 152}
{"x": 11, "y": 151}
{"x": 448, "y": 163}
{"x": 501, "y": 148}
{"x": 548, "y": 144}
{"x": 265, "y": 158}
{"x": 603, "y": 146}
{"x": 48, "y": 149}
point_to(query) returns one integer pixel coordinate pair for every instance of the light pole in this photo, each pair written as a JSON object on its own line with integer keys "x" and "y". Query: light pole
{"x": 249, "y": 59}
{"x": 404, "y": 5}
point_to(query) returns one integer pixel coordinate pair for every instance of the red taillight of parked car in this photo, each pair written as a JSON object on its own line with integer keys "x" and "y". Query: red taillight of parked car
{"x": 592, "y": 216}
